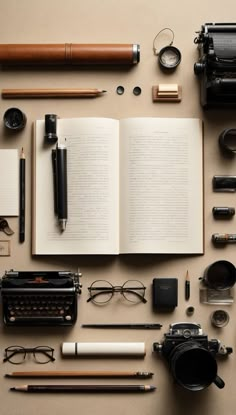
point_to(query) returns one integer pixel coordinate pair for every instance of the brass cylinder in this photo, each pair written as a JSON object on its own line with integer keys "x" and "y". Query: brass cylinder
{"x": 69, "y": 53}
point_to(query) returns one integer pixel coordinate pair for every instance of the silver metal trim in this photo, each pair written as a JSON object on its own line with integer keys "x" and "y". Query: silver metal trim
{"x": 136, "y": 53}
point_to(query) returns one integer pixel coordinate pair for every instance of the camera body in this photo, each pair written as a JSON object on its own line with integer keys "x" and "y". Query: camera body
{"x": 191, "y": 356}
{"x": 183, "y": 332}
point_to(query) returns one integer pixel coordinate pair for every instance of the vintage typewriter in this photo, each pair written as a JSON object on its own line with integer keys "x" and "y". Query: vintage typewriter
{"x": 40, "y": 298}
{"x": 216, "y": 68}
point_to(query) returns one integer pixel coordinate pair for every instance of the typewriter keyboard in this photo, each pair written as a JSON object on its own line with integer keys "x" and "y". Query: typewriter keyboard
{"x": 25, "y": 308}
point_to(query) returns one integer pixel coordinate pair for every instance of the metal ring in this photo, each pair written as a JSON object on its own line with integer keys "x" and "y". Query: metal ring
{"x": 120, "y": 90}
{"x": 227, "y": 141}
{"x": 137, "y": 90}
{"x": 155, "y": 50}
{"x": 190, "y": 311}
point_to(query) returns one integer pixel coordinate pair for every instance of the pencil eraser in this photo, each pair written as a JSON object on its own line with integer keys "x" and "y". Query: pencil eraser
{"x": 165, "y": 293}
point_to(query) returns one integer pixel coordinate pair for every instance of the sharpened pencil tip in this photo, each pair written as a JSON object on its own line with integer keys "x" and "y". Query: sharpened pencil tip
{"x": 12, "y": 389}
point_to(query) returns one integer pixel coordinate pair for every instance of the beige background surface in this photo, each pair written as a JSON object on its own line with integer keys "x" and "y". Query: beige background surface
{"x": 109, "y": 21}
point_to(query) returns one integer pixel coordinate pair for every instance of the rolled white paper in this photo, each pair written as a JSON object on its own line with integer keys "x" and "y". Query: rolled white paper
{"x": 103, "y": 349}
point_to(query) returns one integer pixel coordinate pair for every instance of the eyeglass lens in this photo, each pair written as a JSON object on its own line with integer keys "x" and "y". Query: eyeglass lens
{"x": 15, "y": 354}
{"x": 43, "y": 354}
{"x": 101, "y": 291}
{"x": 133, "y": 291}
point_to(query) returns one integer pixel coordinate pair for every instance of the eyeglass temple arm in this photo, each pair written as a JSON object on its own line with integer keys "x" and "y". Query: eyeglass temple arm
{"x": 142, "y": 298}
{"x": 46, "y": 354}
{"x": 12, "y": 354}
{"x": 105, "y": 291}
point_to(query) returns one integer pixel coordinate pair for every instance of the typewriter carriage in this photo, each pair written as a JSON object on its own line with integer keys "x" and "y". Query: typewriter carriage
{"x": 216, "y": 67}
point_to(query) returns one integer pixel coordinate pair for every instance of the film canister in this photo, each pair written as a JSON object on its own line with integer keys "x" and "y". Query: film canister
{"x": 223, "y": 212}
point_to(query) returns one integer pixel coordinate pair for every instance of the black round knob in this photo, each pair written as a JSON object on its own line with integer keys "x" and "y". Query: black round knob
{"x": 199, "y": 68}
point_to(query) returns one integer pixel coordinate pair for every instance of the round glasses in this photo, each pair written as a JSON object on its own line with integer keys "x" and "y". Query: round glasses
{"x": 102, "y": 291}
{"x": 17, "y": 354}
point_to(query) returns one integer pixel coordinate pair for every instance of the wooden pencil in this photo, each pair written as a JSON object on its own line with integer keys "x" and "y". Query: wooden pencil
{"x": 53, "y": 93}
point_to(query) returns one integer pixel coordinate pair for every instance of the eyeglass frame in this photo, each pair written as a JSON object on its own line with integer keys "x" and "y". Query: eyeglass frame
{"x": 25, "y": 350}
{"x": 117, "y": 288}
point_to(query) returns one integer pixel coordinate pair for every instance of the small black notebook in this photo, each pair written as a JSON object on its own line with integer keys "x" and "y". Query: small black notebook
{"x": 165, "y": 293}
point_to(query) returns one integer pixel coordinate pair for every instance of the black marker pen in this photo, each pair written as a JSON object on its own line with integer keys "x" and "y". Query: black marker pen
{"x": 61, "y": 179}
{"x": 22, "y": 197}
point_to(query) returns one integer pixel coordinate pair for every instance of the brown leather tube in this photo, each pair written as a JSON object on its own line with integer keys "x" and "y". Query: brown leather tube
{"x": 69, "y": 53}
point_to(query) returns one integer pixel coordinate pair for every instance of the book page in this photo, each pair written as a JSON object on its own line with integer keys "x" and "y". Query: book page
{"x": 161, "y": 186}
{"x": 9, "y": 182}
{"x": 93, "y": 177}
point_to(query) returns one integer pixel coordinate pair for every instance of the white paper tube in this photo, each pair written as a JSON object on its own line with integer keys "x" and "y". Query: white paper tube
{"x": 104, "y": 349}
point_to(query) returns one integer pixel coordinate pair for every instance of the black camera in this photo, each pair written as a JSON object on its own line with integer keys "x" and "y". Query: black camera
{"x": 216, "y": 68}
{"x": 191, "y": 356}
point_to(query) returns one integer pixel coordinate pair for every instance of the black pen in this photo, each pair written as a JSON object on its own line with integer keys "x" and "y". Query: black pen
{"x": 61, "y": 184}
{"x": 123, "y": 326}
{"x": 187, "y": 287}
{"x": 22, "y": 197}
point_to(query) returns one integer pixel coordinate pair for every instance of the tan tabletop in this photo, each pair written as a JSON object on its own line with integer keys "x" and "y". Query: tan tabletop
{"x": 123, "y": 21}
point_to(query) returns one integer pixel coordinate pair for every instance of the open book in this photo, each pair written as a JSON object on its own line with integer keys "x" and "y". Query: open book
{"x": 134, "y": 186}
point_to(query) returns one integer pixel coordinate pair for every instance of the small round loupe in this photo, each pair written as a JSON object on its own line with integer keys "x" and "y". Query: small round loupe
{"x": 169, "y": 56}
